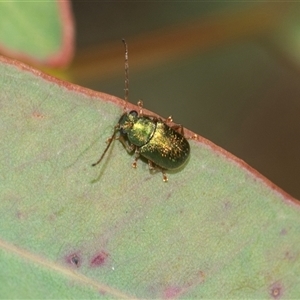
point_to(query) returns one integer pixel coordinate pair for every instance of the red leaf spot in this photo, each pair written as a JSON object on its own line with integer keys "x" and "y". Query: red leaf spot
{"x": 21, "y": 215}
{"x": 276, "y": 290}
{"x": 289, "y": 256}
{"x": 171, "y": 292}
{"x": 37, "y": 115}
{"x": 283, "y": 231}
{"x": 227, "y": 205}
{"x": 74, "y": 259}
{"x": 99, "y": 259}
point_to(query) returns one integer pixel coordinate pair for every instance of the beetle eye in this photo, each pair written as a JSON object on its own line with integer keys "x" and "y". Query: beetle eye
{"x": 133, "y": 113}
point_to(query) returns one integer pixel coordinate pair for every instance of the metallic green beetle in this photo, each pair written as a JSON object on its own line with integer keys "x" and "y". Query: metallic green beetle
{"x": 165, "y": 147}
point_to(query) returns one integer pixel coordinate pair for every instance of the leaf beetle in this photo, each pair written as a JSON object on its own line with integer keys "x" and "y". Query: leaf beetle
{"x": 164, "y": 146}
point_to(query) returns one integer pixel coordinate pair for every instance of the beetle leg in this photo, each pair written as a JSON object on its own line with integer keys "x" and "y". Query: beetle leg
{"x": 137, "y": 155}
{"x": 178, "y": 128}
{"x": 140, "y": 105}
{"x": 165, "y": 178}
{"x": 109, "y": 140}
{"x": 129, "y": 147}
{"x": 169, "y": 119}
{"x": 152, "y": 167}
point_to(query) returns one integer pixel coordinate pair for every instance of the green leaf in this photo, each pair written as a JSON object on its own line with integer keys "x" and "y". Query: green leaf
{"x": 217, "y": 229}
{"x": 38, "y": 32}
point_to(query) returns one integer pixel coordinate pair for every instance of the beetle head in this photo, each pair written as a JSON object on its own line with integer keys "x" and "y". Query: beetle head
{"x": 127, "y": 121}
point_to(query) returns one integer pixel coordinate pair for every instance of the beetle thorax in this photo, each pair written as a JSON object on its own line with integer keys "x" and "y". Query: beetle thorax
{"x": 141, "y": 131}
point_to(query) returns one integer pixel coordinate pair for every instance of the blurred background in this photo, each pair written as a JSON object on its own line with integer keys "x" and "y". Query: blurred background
{"x": 229, "y": 71}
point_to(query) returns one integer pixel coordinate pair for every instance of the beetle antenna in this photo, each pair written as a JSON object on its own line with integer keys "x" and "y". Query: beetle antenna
{"x": 108, "y": 145}
{"x": 126, "y": 89}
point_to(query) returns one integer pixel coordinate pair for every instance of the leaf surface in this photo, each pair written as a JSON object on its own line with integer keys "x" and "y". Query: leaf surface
{"x": 217, "y": 229}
